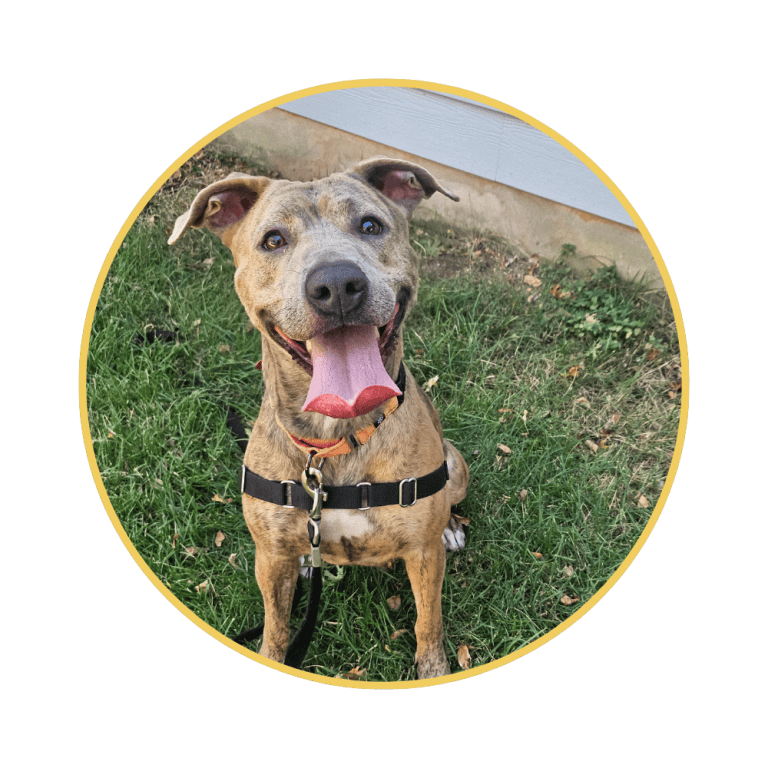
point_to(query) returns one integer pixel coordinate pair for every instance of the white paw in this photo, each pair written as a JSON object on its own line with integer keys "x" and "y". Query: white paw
{"x": 453, "y": 536}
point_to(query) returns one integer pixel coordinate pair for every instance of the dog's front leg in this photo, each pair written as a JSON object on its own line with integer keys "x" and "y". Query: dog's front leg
{"x": 425, "y": 571}
{"x": 277, "y": 582}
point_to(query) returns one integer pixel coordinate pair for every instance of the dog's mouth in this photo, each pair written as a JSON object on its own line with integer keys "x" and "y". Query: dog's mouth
{"x": 347, "y": 365}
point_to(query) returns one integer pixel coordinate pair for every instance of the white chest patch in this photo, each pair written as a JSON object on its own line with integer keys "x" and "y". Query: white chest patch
{"x": 349, "y": 523}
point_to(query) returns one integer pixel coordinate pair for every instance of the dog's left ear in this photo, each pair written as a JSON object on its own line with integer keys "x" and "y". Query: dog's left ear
{"x": 404, "y": 183}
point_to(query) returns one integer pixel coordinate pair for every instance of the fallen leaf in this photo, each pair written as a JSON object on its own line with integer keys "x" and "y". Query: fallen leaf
{"x": 582, "y": 401}
{"x": 190, "y": 551}
{"x": 397, "y": 634}
{"x": 173, "y": 541}
{"x": 574, "y": 371}
{"x": 532, "y": 280}
{"x": 505, "y": 410}
{"x": 231, "y": 559}
{"x": 354, "y": 674}
{"x": 643, "y": 502}
{"x": 219, "y": 538}
{"x": 538, "y": 555}
{"x": 568, "y": 571}
{"x": 652, "y": 355}
{"x": 431, "y": 383}
{"x": 222, "y": 501}
{"x": 590, "y": 319}
{"x": 565, "y": 600}
{"x": 523, "y": 494}
{"x": 465, "y": 660}
{"x": 591, "y": 445}
{"x": 202, "y": 587}
{"x": 505, "y": 449}
{"x": 394, "y": 602}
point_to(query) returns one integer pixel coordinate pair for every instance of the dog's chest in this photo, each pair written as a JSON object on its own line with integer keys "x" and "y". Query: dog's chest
{"x": 350, "y": 537}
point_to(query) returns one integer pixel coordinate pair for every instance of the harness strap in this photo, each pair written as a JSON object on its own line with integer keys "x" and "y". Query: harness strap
{"x": 290, "y": 494}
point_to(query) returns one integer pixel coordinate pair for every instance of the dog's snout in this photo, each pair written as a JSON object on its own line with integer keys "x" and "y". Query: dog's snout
{"x": 337, "y": 288}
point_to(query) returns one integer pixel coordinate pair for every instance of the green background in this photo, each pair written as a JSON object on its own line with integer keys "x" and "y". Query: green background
{"x": 100, "y": 668}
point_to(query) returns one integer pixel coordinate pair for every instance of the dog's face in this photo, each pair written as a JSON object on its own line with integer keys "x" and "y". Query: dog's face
{"x": 324, "y": 269}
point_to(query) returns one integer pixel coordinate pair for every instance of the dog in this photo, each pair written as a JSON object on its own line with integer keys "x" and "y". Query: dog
{"x": 325, "y": 272}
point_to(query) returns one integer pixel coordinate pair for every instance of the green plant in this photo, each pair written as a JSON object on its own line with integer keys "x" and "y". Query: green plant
{"x": 602, "y": 308}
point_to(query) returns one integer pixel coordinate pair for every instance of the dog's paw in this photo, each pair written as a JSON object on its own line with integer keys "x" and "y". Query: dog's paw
{"x": 454, "y": 537}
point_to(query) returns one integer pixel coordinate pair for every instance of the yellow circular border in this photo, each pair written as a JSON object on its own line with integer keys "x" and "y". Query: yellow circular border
{"x": 401, "y": 84}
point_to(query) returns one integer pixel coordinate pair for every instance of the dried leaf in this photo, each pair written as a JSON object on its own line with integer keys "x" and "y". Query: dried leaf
{"x": 568, "y": 571}
{"x": 582, "y": 401}
{"x": 590, "y": 319}
{"x": 231, "y": 559}
{"x": 222, "y": 501}
{"x": 523, "y": 494}
{"x": 354, "y": 674}
{"x": 505, "y": 449}
{"x": 465, "y": 660}
{"x": 565, "y": 600}
{"x": 173, "y": 541}
{"x": 574, "y": 371}
{"x": 652, "y": 355}
{"x": 190, "y": 551}
{"x": 591, "y": 445}
{"x": 538, "y": 555}
{"x": 394, "y": 602}
{"x": 202, "y": 587}
{"x": 219, "y": 538}
{"x": 532, "y": 280}
{"x": 431, "y": 383}
{"x": 505, "y": 410}
{"x": 643, "y": 502}
{"x": 397, "y": 634}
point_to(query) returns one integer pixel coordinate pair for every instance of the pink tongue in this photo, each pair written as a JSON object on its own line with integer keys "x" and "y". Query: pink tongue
{"x": 348, "y": 378}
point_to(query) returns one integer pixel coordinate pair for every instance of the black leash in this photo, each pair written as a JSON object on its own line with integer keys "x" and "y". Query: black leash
{"x": 297, "y": 648}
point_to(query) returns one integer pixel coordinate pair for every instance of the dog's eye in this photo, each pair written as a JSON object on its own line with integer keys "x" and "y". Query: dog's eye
{"x": 371, "y": 226}
{"x": 273, "y": 240}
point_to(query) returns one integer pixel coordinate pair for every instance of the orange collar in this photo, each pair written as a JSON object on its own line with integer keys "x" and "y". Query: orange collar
{"x": 326, "y": 448}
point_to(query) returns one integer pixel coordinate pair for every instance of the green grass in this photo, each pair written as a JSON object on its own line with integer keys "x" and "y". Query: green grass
{"x": 502, "y": 352}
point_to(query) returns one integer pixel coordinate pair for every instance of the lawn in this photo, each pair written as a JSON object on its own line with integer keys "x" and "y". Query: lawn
{"x": 563, "y": 394}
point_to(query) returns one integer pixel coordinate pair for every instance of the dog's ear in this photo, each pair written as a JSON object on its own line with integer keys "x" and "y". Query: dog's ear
{"x": 222, "y": 206}
{"x": 404, "y": 183}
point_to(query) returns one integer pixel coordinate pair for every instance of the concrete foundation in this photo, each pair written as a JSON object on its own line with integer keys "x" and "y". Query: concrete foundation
{"x": 302, "y": 149}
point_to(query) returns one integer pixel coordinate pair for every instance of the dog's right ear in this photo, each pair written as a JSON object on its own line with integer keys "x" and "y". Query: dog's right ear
{"x": 222, "y": 206}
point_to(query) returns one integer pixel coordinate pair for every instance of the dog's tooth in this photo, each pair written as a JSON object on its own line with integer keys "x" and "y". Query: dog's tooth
{"x": 308, "y": 345}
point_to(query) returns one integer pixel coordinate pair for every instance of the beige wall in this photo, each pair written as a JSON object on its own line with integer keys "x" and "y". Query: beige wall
{"x": 303, "y": 149}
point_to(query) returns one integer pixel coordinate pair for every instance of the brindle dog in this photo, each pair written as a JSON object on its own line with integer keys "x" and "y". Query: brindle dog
{"x": 325, "y": 272}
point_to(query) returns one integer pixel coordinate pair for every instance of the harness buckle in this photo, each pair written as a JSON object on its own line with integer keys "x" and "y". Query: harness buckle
{"x": 288, "y": 493}
{"x": 415, "y": 491}
{"x": 365, "y": 497}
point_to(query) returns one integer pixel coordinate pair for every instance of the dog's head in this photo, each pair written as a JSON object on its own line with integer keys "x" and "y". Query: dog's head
{"x": 324, "y": 269}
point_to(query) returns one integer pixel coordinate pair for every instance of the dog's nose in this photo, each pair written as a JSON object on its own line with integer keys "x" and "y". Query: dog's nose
{"x": 337, "y": 288}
